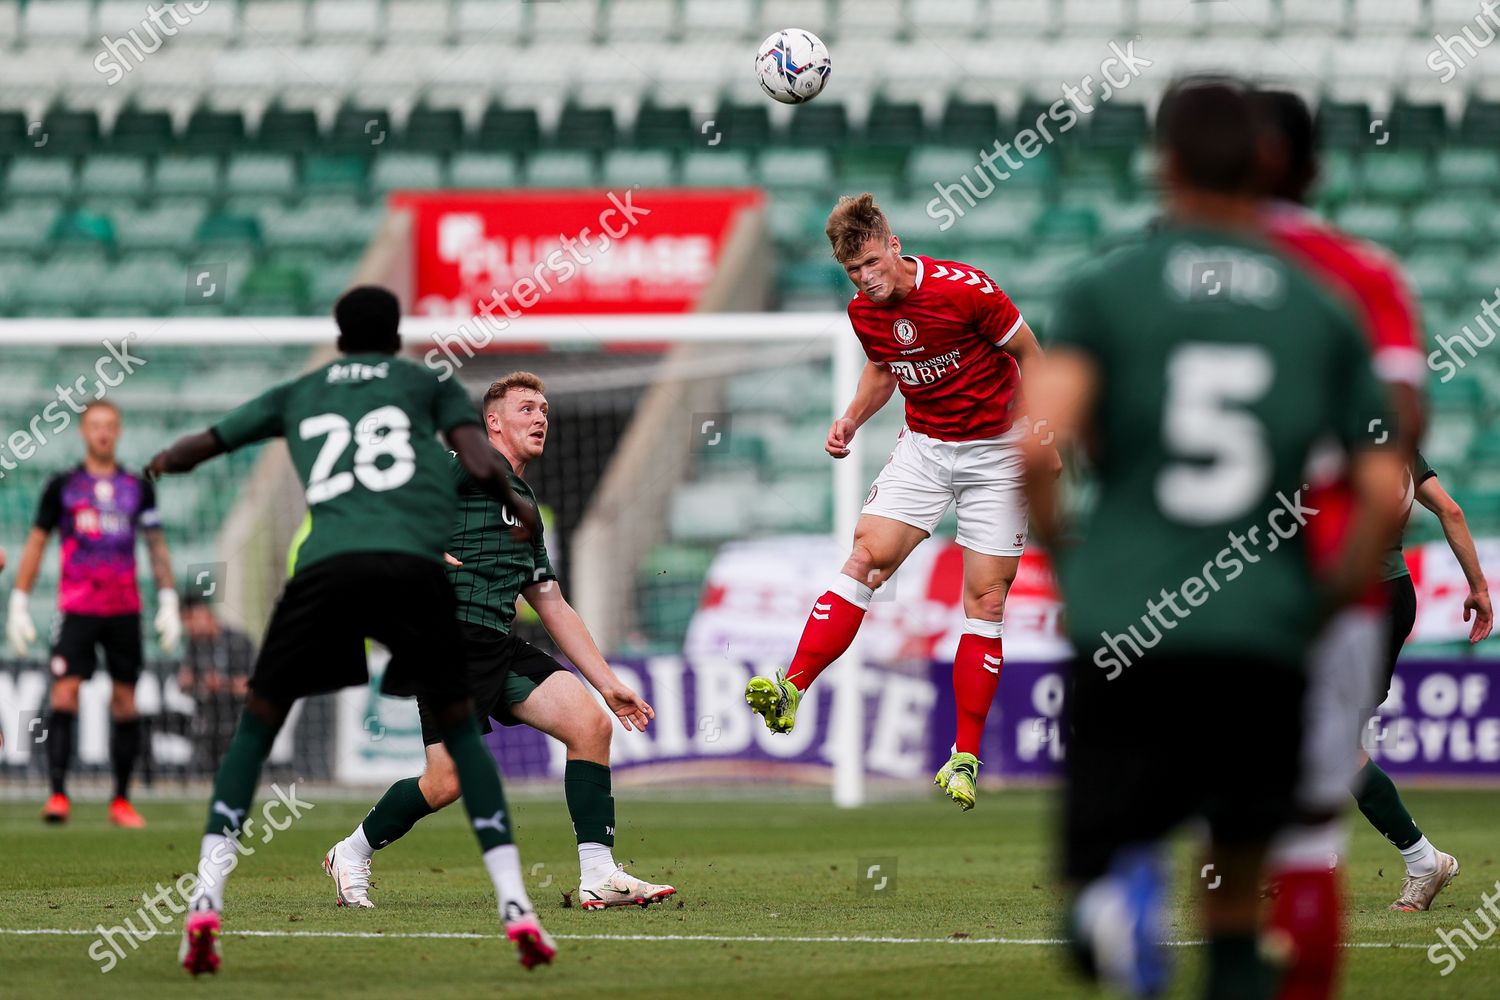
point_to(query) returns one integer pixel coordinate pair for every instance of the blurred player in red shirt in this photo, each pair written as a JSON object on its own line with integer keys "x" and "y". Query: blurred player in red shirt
{"x": 954, "y": 343}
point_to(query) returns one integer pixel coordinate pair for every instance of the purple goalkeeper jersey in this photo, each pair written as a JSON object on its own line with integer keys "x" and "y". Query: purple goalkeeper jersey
{"x": 96, "y": 518}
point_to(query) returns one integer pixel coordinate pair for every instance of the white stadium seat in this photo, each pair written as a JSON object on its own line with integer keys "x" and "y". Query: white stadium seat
{"x": 810, "y": 15}
{"x": 69, "y": 21}
{"x": 869, "y": 18}
{"x": 1109, "y": 18}
{"x": 575, "y": 21}
{"x": 1244, "y": 17}
{"x": 1169, "y": 18}
{"x": 342, "y": 20}
{"x": 641, "y": 20}
{"x": 1327, "y": 16}
{"x": 414, "y": 22}
{"x": 718, "y": 19}
{"x": 958, "y": 18}
{"x": 489, "y": 23}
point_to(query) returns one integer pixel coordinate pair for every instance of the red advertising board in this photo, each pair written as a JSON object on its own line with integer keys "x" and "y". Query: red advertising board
{"x": 533, "y": 252}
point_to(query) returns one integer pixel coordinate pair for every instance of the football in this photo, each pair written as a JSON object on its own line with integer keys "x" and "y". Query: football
{"x": 793, "y": 66}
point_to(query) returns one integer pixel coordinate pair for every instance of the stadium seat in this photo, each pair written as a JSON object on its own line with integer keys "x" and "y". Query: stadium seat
{"x": 417, "y": 21}
{"x": 228, "y": 232}
{"x": 797, "y": 169}
{"x": 743, "y": 126}
{"x": 974, "y": 124}
{"x": 1467, "y": 169}
{"x": 33, "y": 177}
{"x": 395, "y": 171}
{"x": 345, "y": 19}
{"x": 24, "y": 226}
{"x": 334, "y": 174}
{"x": 187, "y": 175}
{"x": 718, "y": 19}
{"x": 1344, "y": 125}
{"x": 894, "y": 125}
{"x": 69, "y": 22}
{"x": 482, "y": 170}
{"x": 431, "y": 130}
{"x": 649, "y": 168}
{"x": 1374, "y": 221}
{"x": 1396, "y": 175}
{"x": 170, "y": 225}
{"x": 273, "y": 290}
{"x": 70, "y": 132}
{"x": 288, "y": 130}
{"x": 82, "y": 229}
{"x": 122, "y": 176}
{"x": 1453, "y": 221}
{"x": 730, "y": 168}
{"x": 476, "y": 21}
{"x": 361, "y": 131}
{"x": 561, "y": 168}
{"x": 260, "y": 173}
{"x": 141, "y": 285}
{"x": 1418, "y": 126}
{"x": 508, "y": 129}
{"x": 211, "y": 131}
{"x": 139, "y": 131}
{"x": 1313, "y": 16}
{"x": 273, "y": 22}
{"x": 665, "y": 128}
{"x": 640, "y": 21}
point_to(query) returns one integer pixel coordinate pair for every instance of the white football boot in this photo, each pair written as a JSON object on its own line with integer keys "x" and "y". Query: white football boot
{"x": 621, "y": 888}
{"x": 351, "y": 876}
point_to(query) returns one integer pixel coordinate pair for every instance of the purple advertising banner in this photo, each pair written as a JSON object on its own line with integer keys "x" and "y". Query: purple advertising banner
{"x": 1441, "y": 721}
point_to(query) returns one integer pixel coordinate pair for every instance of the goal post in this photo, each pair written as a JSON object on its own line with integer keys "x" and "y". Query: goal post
{"x": 582, "y": 357}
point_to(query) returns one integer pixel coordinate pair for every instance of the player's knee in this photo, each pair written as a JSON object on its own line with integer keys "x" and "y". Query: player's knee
{"x": 866, "y": 565}
{"x": 122, "y": 702}
{"x": 597, "y": 731}
{"x": 441, "y": 788}
{"x": 990, "y": 604}
{"x": 65, "y": 695}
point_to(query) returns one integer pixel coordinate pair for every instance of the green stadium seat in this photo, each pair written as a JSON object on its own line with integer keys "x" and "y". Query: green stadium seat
{"x": 137, "y": 131}
{"x": 670, "y": 580}
{"x": 141, "y": 285}
{"x": 169, "y": 225}
{"x": 1067, "y": 226}
{"x": 213, "y": 132}
{"x": 1467, "y": 169}
{"x": 273, "y": 290}
{"x": 1418, "y": 126}
{"x": 414, "y": 171}
{"x": 334, "y": 174}
{"x": 125, "y": 176}
{"x": 1436, "y": 276}
{"x": 650, "y": 168}
{"x": 714, "y": 168}
{"x": 24, "y": 226}
{"x": 69, "y": 133}
{"x": 83, "y": 229}
{"x": 1397, "y": 175}
{"x": 1376, "y": 221}
{"x": 585, "y": 128}
{"x": 972, "y": 125}
{"x": 818, "y": 125}
{"x": 31, "y": 176}
{"x": 13, "y": 133}
{"x": 187, "y": 175}
{"x": 1344, "y": 125}
{"x": 812, "y": 285}
{"x": 872, "y": 168}
{"x": 1481, "y": 123}
{"x": 664, "y": 128}
{"x": 260, "y": 173}
{"x": 896, "y": 125}
{"x": 483, "y": 171}
{"x": 331, "y": 280}
{"x": 743, "y": 126}
{"x": 1119, "y": 219}
{"x": 796, "y": 503}
{"x": 1461, "y": 394}
{"x": 287, "y": 130}
{"x": 432, "y": 130}
{"x": 1453, "y": 221}
{"x": 234, "y": 232}
{"x": 65, "y": 286}
{"x": 713, "y": 510}
{"x": 360, "y": 131}
{"x": 939, "y": 165}
{"x": 513, "y": 130}
{"x": 794, "y": 218}
{"x": 796, "y": 169}
{"x": 561, "y": 168}
{"x": 1338, "y": 177}
{"x": 1118, "y": 125}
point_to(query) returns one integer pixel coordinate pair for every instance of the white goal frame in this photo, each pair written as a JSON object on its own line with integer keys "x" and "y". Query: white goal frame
{"x": 674, "y": 328}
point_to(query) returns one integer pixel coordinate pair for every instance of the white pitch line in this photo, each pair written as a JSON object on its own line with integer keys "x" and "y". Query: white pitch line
{"x": 715, "y": 938}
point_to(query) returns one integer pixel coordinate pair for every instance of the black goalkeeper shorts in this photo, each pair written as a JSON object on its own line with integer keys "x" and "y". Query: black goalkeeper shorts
{"x": 316, "y": 639}
{"x": 1170, "y": 738}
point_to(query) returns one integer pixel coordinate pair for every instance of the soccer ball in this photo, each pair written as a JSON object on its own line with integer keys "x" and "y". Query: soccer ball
{"x": 792, "y": 66}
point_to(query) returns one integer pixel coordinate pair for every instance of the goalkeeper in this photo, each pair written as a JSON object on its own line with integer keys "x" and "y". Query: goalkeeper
{"x": 512, "y": 681}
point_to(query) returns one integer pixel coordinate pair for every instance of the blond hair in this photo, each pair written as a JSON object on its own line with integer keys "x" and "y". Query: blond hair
{"x": 515, "y": 380}
{"x": 853, "y": 222}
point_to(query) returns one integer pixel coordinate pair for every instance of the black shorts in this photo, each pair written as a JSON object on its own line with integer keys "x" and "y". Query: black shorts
{"x": 502, "y": 671}
{"x": 1401, "y": 616}
{"x": 1217, "y": 737}
{"x": 78, "y": 638}
{"x": 316, "y": 640}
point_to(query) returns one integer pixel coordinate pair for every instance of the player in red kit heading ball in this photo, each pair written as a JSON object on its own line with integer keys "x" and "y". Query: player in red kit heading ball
{"x": 953, "y": 342}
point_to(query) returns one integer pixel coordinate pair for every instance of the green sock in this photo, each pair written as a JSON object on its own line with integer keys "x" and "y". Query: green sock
{"x": 1381, "y": 803}
{"x": 484, "y": 797}
{"x": 397, "y": 812}
{"x": 1235, "y": 969}
{"x": 239, "y": 772}
{"x": 586, "y": 786}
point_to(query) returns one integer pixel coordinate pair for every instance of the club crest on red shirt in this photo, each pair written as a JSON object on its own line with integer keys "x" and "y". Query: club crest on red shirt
{"x": 906, "y": 331}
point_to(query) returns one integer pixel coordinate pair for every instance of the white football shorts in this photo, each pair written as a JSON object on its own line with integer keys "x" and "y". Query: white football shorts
{"x": 985, "y": 478}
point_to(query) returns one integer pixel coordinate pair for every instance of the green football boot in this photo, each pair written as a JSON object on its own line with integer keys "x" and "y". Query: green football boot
{"x": 775, "y": 700}
{"x": 958, "y": 778}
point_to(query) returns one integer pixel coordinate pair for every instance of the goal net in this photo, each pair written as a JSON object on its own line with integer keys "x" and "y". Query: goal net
{"x": 690, "y": 510}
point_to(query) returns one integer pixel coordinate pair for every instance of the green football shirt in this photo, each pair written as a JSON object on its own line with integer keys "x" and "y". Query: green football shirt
{"x": 1220, "y": 367}
{"x": 1416, "y": 474}
{"x": 497, "y": 566}
{"x": 362, "y": 432}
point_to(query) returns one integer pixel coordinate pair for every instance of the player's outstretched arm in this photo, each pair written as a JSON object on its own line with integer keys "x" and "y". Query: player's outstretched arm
{"x": 572, "y": 636}
{"x": 1456, "y": 530}
{"x": 876, "y": 384}
{"x": 481, "y": 461}
{"x": 185, "y": 454}
{"x": 168, "y": 622}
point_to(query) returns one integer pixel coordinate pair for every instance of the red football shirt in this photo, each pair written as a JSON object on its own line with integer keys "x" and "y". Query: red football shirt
{"x": 1370, "y": 281}
{"x": 943, "y": 342}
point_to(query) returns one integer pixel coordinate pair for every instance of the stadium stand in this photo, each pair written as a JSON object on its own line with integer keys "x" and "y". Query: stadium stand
{"x": 268, "y": 134}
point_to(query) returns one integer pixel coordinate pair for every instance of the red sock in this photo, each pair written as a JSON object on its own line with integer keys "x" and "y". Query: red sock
{"x": 829, "y": 631}
{"x": 1307, "y": 919}
{"x": 976, "y": 675}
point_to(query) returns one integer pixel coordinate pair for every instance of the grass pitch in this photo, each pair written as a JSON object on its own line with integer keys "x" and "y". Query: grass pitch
{"x": 767, "y": 891}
